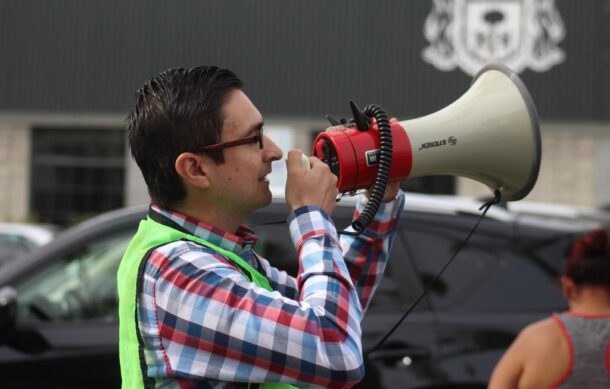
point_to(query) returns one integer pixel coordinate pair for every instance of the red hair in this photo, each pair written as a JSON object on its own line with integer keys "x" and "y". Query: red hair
{"x": 589, "y": 259}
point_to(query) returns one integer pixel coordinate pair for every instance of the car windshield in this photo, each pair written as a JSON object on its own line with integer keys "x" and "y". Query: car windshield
{"x": 12, "y": 246}
{"x": 79, "y": 286}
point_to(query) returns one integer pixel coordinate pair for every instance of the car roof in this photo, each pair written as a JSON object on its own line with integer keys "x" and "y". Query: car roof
{"x": 439, "y": 204}
{"x": 563, "y": 212}
{"x": 514, "y": 212}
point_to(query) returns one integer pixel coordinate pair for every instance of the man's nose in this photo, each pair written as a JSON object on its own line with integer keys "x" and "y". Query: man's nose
{"x": 271, "y": 151}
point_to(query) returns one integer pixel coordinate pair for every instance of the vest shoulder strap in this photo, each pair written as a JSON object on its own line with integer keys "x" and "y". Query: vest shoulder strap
{"x": 169, "y": 234}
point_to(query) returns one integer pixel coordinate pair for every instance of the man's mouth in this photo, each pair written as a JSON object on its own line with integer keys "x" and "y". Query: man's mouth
{"x": 265, "y": 178}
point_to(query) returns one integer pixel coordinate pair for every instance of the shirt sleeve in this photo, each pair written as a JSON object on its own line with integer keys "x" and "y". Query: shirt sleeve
{"x": 213, "y": 323}
{"x": 366, "y": 254}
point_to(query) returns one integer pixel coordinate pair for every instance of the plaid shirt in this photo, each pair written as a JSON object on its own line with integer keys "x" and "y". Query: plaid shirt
{"x": 205, "y": 325}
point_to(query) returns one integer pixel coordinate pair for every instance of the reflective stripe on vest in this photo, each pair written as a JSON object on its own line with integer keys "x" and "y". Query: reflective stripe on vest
{"x": 149, "y": 236}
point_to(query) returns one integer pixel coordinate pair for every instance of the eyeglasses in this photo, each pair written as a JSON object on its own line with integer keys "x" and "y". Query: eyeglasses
{"x": 258, "y": 138}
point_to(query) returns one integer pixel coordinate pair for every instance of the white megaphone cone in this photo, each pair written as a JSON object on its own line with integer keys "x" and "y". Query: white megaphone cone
{"x": 490, "y": 134}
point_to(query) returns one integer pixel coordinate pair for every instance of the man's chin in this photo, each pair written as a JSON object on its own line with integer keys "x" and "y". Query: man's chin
{"x": 268, "y": 198}
{"x": 263, "y": 198}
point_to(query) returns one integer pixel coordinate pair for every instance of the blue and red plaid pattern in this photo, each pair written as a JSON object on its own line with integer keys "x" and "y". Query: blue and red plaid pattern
{"x": 204, "y": 324}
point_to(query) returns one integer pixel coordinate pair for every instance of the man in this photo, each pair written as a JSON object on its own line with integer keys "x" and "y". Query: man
{"x": 197, "y": 306}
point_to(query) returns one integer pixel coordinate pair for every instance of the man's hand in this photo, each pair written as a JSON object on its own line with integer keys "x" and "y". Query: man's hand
{"x": 391, "y": 191}
{"x": 316, "y": 186}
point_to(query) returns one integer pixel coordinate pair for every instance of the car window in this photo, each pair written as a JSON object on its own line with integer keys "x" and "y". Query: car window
{"x": 489, "y": 274}
{"x": 79, "y": 286}
{"x": 519, "y": 284}
{"x": 400, "y": 286}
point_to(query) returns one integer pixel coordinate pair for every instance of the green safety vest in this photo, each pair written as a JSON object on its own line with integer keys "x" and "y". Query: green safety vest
{"x": 149, "y": 236}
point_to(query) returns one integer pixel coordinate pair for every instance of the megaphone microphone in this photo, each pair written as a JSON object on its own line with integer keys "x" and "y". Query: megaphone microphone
{"x": 490, "y": 134}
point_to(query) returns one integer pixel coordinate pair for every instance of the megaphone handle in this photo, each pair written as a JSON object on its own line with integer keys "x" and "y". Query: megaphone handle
{"x": 383, "y": 172}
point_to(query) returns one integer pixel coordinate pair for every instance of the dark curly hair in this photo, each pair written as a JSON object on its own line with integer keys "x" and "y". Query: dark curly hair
{"x": 176, "y": 111}
{"x": 589, "y": 260}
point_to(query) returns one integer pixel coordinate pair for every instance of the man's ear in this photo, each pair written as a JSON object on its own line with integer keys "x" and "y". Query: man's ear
{"x": 193, "y": 169}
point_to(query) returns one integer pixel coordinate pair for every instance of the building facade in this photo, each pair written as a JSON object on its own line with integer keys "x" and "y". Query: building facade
{"x": 69, "y": 70}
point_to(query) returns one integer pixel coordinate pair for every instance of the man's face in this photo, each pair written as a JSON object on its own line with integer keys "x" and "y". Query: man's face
{"x": 240, "y": 185}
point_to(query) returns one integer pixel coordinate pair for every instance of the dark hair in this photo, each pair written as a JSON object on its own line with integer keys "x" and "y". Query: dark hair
{"x": 589, "y": 260}
{"x": 176, "y": 111}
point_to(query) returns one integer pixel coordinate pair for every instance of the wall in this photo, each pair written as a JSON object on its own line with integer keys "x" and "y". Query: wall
{"x": 574, "y": 169}
{"x": 14, "y": 171}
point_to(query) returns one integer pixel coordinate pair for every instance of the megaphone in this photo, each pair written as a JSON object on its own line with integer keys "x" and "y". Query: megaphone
{"x": 490, "y": 134}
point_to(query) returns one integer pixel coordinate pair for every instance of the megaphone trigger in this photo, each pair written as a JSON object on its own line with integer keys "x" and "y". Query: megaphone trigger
{"x": 333, "y": 121}
{"x": 362, "y": 122}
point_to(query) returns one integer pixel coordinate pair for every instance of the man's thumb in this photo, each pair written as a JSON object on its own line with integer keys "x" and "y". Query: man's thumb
{"x": 293, "y": 162}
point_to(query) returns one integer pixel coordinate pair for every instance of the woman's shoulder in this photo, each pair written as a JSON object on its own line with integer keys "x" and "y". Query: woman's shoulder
{"x": 543, "y": 333}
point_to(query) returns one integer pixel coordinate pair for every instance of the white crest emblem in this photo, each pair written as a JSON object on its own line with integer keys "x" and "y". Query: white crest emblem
{"x": 473, "y": 33}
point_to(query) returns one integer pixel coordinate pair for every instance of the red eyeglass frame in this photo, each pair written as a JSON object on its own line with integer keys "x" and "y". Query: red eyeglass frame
{"x": 244, "y": 141}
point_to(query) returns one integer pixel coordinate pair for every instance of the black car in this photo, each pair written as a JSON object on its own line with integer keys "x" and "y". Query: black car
{"x": 58, "y": 306}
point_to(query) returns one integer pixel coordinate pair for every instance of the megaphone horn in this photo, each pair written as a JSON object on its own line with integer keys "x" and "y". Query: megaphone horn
{"x": 490, "y": 134}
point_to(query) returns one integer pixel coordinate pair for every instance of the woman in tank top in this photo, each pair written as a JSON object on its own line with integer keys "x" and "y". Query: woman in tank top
{"x": 570, "y": 349}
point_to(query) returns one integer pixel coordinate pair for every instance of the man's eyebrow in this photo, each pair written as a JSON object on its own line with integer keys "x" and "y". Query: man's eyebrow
{"x": 255, "y": 128}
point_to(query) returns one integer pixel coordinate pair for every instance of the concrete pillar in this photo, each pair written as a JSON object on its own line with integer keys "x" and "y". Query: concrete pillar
{"x": 136, "y": 192}
{"x": 15, "y": 149}
{"x": 603, "y": 170}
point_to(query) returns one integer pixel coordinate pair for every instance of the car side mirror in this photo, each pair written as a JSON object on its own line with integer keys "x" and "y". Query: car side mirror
{"x": 8, "y": 313}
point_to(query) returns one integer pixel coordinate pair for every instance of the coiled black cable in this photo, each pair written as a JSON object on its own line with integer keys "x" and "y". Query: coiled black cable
{"x": 383, "y": 172}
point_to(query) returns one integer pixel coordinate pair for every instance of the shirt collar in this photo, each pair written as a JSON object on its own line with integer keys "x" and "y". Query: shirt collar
{"x": 244, "y": 239}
